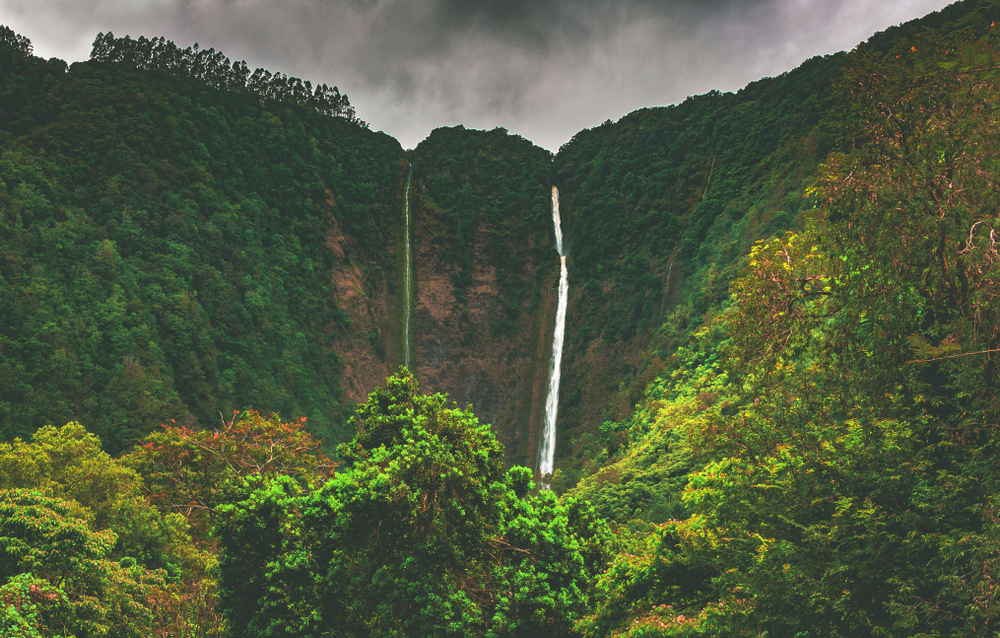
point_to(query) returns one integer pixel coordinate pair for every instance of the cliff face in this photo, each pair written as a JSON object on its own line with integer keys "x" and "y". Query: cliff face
{"x": 503, "y": 377}
{"x": 484, "y": 277}
{"x": 364, "y": 342}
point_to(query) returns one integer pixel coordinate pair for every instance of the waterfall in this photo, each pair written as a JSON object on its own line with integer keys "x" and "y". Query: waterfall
{"x": 547, "y": 452}
{"x": 666, "y": 285}
{"x": 408, "y": 313}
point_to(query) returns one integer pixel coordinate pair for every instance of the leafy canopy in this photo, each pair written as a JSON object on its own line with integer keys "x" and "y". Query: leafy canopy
{"x": 422, "y": 534}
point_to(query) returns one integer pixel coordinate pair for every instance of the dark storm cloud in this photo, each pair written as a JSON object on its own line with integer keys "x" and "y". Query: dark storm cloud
{"x": 522, "y": 22}
{"x": 542, "y": 68}
{"x": 413, "y": 32}
{"x": 455, "y": 51}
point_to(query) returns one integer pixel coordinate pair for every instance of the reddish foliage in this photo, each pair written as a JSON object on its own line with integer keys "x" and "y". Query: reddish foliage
{"x": 189, "y": 470}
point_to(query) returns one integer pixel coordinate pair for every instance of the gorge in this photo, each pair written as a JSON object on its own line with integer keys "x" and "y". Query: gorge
{"x": 219, "y": 231}
{"x": 469, "y": 299}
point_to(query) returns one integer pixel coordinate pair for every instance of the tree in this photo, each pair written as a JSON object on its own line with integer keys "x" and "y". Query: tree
{"x": 910, "y": 212}
{"x": 56, "y": 577}
{"x": 15, "y": 40}
{"x": 423, "y": 534}
{"x": 68, "y": 464}
{"x": 188, "y": 471}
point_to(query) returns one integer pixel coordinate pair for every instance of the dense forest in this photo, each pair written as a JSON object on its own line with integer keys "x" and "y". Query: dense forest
{"x": 662, "y": 206}
{"x": 780, "y": 407}
{"x": 162, "y": 241}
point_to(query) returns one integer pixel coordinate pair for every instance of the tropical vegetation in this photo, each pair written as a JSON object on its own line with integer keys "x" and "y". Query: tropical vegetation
{"x": 807, "y": 446}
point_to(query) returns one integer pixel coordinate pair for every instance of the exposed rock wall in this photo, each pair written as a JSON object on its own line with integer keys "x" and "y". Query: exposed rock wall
{"x": 501, "y": 377}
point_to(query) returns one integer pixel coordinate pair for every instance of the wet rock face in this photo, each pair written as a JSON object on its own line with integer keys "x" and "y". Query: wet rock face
{"x": 457, "y": 352}
{"x": 364, "y": 346}
{"x": 504, "y": 378}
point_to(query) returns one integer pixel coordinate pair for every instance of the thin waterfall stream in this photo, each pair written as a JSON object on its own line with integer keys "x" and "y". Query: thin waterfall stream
{"x": 547, "y": 451}
{"x": 407, "y": 316}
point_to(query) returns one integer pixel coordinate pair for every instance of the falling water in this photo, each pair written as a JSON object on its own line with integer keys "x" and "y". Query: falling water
{"x": 407, "y": 317}
{"x": 547, "y": 454}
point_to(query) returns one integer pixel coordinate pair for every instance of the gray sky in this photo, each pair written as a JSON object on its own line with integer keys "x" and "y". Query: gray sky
{"x": 544, "y": 69}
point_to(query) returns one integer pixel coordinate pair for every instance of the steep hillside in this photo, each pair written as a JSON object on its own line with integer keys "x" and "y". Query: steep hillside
{"x": 173, "y": 251}
{"x": 660, "y": 208}
{"x": 686, "y": 352}
{"x": 818, "y": 458}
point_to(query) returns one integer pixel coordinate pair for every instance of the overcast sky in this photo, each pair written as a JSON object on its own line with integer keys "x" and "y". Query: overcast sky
{"x": 544, "y": 69}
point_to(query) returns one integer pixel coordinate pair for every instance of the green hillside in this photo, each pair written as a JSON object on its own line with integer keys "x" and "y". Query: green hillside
{"x": 815, "y": 459}
{"x": 661, "y": 208}
{"x": 164, "y": 247}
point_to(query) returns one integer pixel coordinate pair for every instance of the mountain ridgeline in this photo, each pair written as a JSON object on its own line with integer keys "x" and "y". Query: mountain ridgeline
{"x": 778, "y": 406}
{"x": 184, "y": 238}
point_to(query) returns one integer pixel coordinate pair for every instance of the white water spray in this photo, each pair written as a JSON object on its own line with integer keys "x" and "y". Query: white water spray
{"x": 547, "y": 452}
{"x": 407, "y": 317}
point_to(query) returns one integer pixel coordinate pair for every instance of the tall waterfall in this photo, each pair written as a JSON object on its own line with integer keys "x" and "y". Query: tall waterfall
{"x": 547, "y": 452}
{"x": 408, "y": 314}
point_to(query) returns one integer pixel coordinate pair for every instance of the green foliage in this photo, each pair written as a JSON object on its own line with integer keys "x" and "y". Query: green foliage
{"x": 24, "y": 599}
{"x": 108, "y": 498}
{"x": 838, "y": 481}
{"x": 657, "y": 200}
{"x": 68, "y": 463}
{"x": 215, "y": 69}
{"x": 57, "y": 577}
{"x": 24, "y": 79}
{"x": 168, "y": 246}
{"x": 14, "y": 41}
{"x": 636, "y": 468}
{"x": 423, "y": 534}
